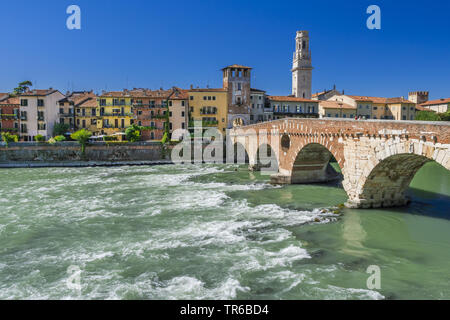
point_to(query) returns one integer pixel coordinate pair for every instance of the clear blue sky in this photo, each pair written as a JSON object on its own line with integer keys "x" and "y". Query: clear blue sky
{"x": 145, "y": 43}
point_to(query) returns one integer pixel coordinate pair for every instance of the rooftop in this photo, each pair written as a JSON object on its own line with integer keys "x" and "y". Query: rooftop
{"x": 335, "y": 105}
{"x": 290, "y": 99}
{"x": 237, "y": 66}
{"x": 438, "y": 101}
{"x": 39, "y": 92}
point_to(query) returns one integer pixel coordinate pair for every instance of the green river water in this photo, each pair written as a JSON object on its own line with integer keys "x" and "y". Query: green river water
{"x": 211, "y": 232}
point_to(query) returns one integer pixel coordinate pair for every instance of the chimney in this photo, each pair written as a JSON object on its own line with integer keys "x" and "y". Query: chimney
{"x": 192, "y": 86}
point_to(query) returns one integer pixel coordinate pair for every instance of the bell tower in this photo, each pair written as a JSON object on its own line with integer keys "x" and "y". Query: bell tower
{"x": 302, "y": 67}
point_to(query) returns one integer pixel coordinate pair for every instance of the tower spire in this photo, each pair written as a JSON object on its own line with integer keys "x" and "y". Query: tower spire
{"x": 302, "y": 67}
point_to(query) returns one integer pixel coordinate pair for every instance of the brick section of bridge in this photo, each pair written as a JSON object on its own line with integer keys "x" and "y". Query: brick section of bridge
{"x": 378, "y": 158}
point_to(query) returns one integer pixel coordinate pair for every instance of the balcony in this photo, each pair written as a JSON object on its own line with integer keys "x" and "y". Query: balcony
{"x": 115, "y": 104}
{"x": 205, "y": 124}
{"x": 9, "y": 116}
{"x": 66, "y": 115}
{"x": 41, "y": 118}
{"x": 202, "y": 112}
{"x": 23, "y": 118}
{"x": 116, "y": 114}
{"x": 147, "y": 105}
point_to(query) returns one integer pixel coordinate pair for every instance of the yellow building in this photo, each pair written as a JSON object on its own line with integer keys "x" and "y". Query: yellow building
{"x": 210, "y": 106}
{"x": 336, "y": 109}
{"x": 86, "y": 115}
{"x": 401, "y": 109}
{"x": 114, "y": 112}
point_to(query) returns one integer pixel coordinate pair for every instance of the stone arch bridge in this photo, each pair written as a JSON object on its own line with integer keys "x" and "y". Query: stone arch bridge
{"x": 378, "y": 158}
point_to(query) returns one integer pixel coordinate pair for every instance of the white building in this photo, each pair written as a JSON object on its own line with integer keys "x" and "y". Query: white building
{"x": 257, "y": 98}
{"x": 39, "y": 111}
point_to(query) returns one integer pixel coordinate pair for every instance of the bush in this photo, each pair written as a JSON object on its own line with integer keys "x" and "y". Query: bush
{"x": 133, "y": 133}
{"x": 39, "y": 138}
{"x": 82, "y": 136}
{"x": 7, "y": 138}
{"x": 60, "y": 138}
{"x": 60, "y": 129}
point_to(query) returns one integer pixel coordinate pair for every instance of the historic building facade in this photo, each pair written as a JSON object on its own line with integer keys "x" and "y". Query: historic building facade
{"x": 236, "y": 81}
{"x": 39, "y": 111}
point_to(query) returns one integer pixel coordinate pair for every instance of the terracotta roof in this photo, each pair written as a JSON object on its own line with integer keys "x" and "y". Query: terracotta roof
{"x": 335, "y": 105}
{"x": 9, "y": 101}
{"x": 39, "y": 92}
{"x": 208, "y": 90}
{"x": 290, "y": 99}
{"x": 438, "y": 101}
{"x": 179, "y": 94}
{"x": 138, "y": 93}
{"x": 91, "y": 102}
{"x": 3, "y": 96}
{"x": 236, "y": 66}
{"x": 420, "y": 108}
{"x": 78, "y": 97}
{"x": 379, "y": 99}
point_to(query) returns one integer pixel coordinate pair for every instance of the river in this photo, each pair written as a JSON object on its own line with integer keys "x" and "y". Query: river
{"x": 214, "y": 232}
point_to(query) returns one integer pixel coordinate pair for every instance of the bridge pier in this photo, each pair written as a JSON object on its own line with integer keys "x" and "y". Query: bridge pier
{"x": 307, "y": 174}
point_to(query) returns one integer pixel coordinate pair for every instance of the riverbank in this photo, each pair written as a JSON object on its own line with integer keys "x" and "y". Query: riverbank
{"x": 69, "y": 154}
{"x": 82, "y": 164}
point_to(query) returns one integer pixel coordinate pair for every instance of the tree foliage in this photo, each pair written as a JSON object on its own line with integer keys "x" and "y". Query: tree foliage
{"x": 60, "y": 129}
{"x": 39, "y": 138}
{"x": 82, "y": 136}
{"x": 432, "y": 116}
{"x": 24, "y": 86}
{"x": 133, "y": 133}
{"x": 7, "y": 138}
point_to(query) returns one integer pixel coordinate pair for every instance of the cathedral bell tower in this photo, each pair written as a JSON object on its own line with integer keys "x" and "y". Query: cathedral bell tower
{"x": 302, "y": 67}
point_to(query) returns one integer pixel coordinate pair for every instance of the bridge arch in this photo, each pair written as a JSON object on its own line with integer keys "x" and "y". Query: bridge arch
{"x": 389, "y": 172}
{"x": 240, "y": 153}
{"x": 266, "y": 159}
{"x": 312, "y": 164}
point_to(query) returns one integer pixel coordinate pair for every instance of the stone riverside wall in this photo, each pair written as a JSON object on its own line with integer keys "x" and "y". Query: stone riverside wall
{"x": 71, "y": 152}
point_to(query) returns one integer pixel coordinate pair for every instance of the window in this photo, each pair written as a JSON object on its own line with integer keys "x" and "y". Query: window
{"x": 40, "y": 103}
{"x": 182, "y": 114}
{"x": 61, "y": 110}
{"x": 182, "y": 125}
{"x": 123, "y": 123}
{"x": 214, "y": 98}
{"x": 204, "y": 98}
{"x": 191, "y": 97}
{"x": 239, "y": 86}
{"x": 24, "y": 102}
{"x": 170, "y": 103}
{"x": 170, "y": 113}
{"x": 84, "y": 123}
{"x": 182, "y": 103}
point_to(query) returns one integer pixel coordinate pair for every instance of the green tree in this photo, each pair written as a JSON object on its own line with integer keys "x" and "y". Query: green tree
{"x": 427, "y": 116}
{"x": 60, "y": 129}
{"x": 82, "y": 136}
{"x": 24, "y": 86}
{"x": 7, "y": 138}
{"x": 39, "y": 138}
{"x": 445, "y": 116}
{"x": 133, "y": 133}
